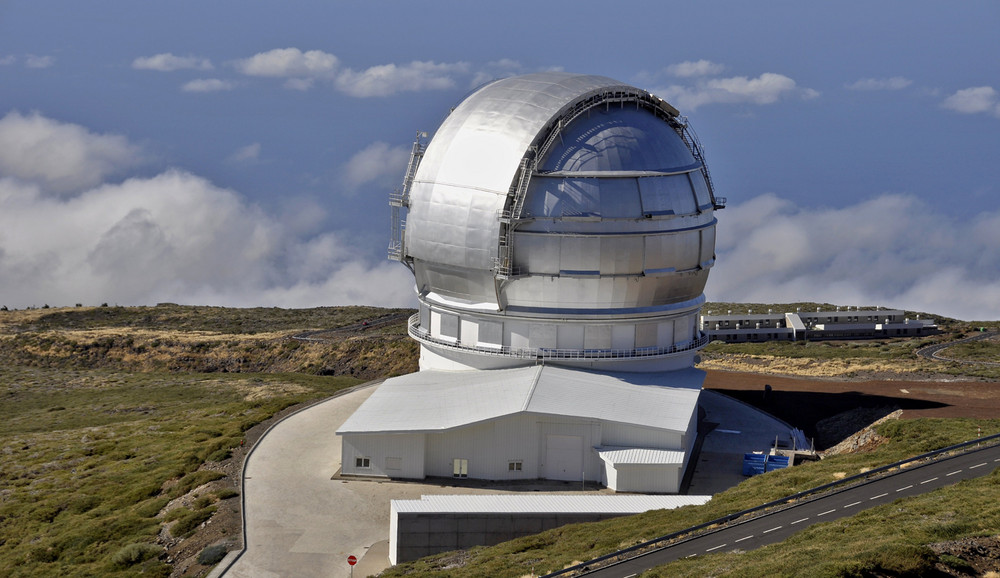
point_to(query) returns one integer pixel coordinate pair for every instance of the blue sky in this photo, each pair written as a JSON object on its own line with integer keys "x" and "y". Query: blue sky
{"x": 241, "y": 153}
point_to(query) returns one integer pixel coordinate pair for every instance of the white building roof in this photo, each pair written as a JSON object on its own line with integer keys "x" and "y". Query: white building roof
{"x": 644, "y": 456}
{"x": 432, "y": 401}
{"x": 544, "y": 504}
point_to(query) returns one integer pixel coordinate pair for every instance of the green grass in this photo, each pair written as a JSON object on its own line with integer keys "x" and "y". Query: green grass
{"x": 903, "y": 532}
{"x": 197, "y": 318}
{"x": 90, "y": 457}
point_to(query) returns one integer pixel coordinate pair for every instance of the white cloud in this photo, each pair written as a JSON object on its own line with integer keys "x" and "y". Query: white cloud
{"x": 892, "y": 250}
{"x": 207, "y": 85}
{"x": 172, "y": 237}
{"x": 974, "y": 100}
{"x": 695, "y": 68}
{"x": 894, "y": 83}
{"x": 290, "y": 62}
{"x": 249, "y": 153}
{"x": 767, "y": 88}
{"x": 388, "y": 79}
{"x": 60, "y": 157}
{"x": 34, "y": 61}
{"x": 377, "y": 163}
{"x": 167, "y": 62}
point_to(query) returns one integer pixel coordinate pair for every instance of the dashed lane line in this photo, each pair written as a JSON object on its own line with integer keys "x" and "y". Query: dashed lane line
{"x": 905, "y": 488}
{"x": 977, "y": 466}
{"x": 826, "y": 512}
{"x": 953, "y": 473}
{"x": 852, "y": 504}
{"x": 743, "y": 538}
{"x": 797, "y": 521}
{"x": 928, "y": 481}
{"x": 879, "y": 496}
{"x": 716, "y": 547}
{"x": 772, "y": 529}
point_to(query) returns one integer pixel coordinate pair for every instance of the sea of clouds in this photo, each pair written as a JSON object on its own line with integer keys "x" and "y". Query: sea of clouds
{"x": 78, "y": 226}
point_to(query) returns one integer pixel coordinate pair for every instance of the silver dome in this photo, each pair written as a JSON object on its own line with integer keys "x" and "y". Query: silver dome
{"x": 562, "y": 199}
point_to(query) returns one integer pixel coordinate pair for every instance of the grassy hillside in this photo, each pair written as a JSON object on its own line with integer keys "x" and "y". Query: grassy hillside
{"x": 116, "y": 421}
{"x": 112, "y": 413}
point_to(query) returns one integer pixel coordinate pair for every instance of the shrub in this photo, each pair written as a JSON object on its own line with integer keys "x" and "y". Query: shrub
{"x": 188, "y": 522}
{"x": 135, "y": 553}
{"x": 226, "y": 493}
{"x": 212, "y": 555}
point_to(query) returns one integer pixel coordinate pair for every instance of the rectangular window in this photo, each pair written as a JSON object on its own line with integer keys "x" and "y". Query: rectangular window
{"x": 514, "y": 466}
{"x": 460, "y": 468}
{"x": 360, "y": 462}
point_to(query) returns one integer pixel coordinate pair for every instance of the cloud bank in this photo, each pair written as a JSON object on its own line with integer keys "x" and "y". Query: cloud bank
{"x": 980, "y": 99}
{"x": 892, "y": 251}
{"x": 704, "y": 87}
{"x": 171, "y": 237}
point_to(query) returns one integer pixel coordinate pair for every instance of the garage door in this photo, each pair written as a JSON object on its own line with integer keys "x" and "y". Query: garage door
{"x": 563, "y": 457}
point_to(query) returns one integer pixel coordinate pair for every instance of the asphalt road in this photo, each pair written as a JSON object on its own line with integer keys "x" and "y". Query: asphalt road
{"x": 933, "y": 351}
{"x": 777, "y": 526}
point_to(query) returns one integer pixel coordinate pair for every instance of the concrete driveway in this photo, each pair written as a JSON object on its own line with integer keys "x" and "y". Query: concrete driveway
{"x": 303, "y": 522}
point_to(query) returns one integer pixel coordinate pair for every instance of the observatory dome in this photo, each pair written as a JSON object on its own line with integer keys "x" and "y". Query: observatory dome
{"x": 561, "y": 216}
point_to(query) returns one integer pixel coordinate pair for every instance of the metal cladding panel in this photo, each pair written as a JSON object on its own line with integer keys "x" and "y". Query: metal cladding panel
{"x": 471, "y": 163}
{"x": 599, "y": 293}
{"x": 471, "y": 285}
{"x": 673, "y": 251}
{"x": 707, "y": 245}
{"x": 627, "y": 435}
{"x": 453, "y": 225}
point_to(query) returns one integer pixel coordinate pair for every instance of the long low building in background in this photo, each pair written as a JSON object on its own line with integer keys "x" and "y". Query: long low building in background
{"x": 850, "y": 323}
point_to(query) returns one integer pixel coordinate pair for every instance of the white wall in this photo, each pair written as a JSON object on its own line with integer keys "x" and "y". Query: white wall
{"x": 384, "y": 451}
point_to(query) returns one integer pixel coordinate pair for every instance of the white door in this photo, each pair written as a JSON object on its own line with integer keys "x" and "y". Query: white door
{"x": 563, "y": 457}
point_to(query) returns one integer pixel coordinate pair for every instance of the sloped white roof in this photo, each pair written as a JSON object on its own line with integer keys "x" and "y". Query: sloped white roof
{"x": 639, "y": 456}
{"x": 433, "y": 401}
{"x": 544, "y": 504}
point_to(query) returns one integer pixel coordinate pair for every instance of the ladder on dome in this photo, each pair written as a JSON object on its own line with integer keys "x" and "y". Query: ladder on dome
{"x": 399, "y": 199}
{"x": 503, "y": 263}
{"x": 690, "y": 139}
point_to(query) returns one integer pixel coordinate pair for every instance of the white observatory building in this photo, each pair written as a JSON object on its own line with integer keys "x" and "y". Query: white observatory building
{"x": 560, "y": 229}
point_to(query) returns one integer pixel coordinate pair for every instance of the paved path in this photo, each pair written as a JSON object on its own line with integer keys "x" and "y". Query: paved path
{"x": 301, "y": 522}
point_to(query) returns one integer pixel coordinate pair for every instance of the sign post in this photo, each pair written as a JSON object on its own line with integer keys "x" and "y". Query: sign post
{"x": 352, "y": 561}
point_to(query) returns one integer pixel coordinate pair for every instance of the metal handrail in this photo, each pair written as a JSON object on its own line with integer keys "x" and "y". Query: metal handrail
{"x": 423, "y": 335}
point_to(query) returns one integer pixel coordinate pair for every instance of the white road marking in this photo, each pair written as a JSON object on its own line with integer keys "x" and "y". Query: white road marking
{"x": 879, "y": 496}
{"x": 743, "y": 538}
{"x": 797, "y": 521}
{"x": 716, "y": 547}
{"x": 928, "y": 481}
{"x": 772, "y": 529}
{"x": 826, "y": 512}
{"x": 977, "y": 466}
{"x": 852, "y": 504}
{"x": 906, "y": 488}
{"x": 953, "y": 473}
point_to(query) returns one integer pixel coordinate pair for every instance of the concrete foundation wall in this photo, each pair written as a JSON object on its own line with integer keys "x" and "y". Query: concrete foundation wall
{"x": 419, "y": 535}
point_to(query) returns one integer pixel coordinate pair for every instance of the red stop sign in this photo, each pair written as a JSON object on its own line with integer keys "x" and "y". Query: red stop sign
{"x": 352, "y": 560}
